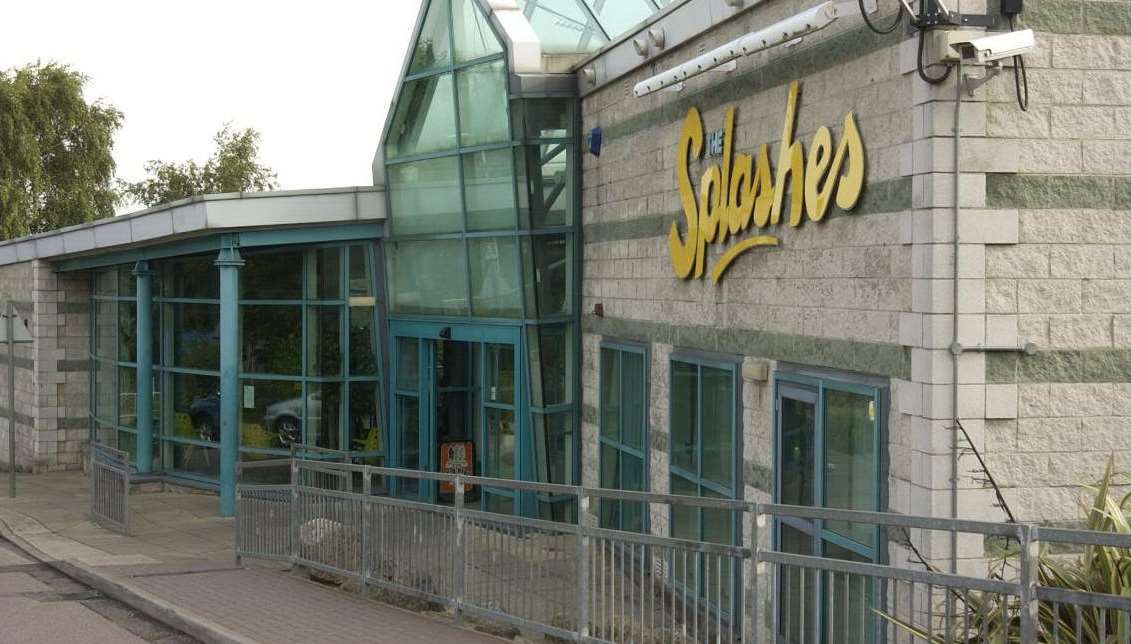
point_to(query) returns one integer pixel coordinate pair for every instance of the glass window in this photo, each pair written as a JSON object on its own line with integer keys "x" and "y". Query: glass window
{"x": 326, "y": 274}
{"x": 474, "y": 37}
{"x": 106, "y": 329}
{"x": 563, "y": 26}
{"x": 551, "y": 363}
{"x": 617, "y": 17}
{"x": 196, "y": 336}
{"x": 363, "y": 341}
{"x": 364, "y": 427}
{"x": 127, "y": 332}
{"x": 553, "y": 438}
{"x": 703, "y": 453}
{"x": 272, "y": 275}
{"x": 428, "y": 277}
{"x": 425, "y": 196}
{"x": 433, "y": 45}
{"x": 495, "y": 282}
{"x": 324, "y": 405}
{"x": 483, "y": 104}
{"x": 106, "y": 281}
{"x": 105, "y": 390}
{"x": 488, "y": 188}
{"x": 623, "y": 418}
{"x": 192, "y": 278}
{"x": 543, "y": 118}
{"x": 127, "y": 396}
{"x": 425, "y": 120}
{"x": 360, "y": 274}
{"x": 323, "y": 341}
{"x": 272, "y": 339}
{"x": 548, "y": 264}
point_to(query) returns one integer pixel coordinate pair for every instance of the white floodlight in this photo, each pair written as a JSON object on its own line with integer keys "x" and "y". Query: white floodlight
{"x": 776, "y": 34}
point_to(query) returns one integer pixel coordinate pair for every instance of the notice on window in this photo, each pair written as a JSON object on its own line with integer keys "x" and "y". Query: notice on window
{"x": 249, "y": 397}
{"x": 456, "y": 458}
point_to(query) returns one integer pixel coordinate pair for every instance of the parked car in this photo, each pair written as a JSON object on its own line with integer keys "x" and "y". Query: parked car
{"x": 284, "y": 418}
{"x": 205, "y": 414}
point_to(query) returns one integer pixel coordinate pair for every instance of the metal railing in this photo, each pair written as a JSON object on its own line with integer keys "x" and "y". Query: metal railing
{"x": 110, "y": 487}
{"x": 584, "y": 583}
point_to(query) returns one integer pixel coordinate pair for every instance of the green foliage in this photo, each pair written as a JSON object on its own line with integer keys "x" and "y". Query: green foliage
{"x": 56, "y": 167}
{"x": 1099, "y": 569}
{"x": 233, "y": 167}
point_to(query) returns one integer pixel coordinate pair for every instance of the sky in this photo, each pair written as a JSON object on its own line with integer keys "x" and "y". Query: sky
{"x": 315, "y": 78}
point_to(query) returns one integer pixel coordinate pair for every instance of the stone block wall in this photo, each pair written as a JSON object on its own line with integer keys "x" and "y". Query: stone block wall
{"x": 1043, "y": 257}
{"x": 52, "y": 372}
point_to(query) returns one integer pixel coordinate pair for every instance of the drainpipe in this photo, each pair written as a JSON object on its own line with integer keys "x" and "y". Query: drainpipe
{"x": 956, "y": 347}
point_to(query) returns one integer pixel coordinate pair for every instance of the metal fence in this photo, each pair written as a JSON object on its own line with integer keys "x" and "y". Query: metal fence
{"x": 110, "y": 487}
{"x": 579, "y": 582}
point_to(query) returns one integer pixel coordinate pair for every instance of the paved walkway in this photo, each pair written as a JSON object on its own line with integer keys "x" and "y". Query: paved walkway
{"x": 178, "y": 566}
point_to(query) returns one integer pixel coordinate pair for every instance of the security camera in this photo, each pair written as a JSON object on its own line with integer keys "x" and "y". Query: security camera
{"x": 990, "y": 48}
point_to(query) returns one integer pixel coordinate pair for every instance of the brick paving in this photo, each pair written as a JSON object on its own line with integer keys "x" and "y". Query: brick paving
{"x": 272, "y": 606}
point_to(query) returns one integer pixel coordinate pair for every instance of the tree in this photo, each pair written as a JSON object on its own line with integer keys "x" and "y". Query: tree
{"x": 56, "y": 167}
{"x": 233, "y": 167}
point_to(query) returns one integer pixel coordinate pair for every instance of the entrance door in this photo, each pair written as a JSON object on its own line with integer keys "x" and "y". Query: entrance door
{"x": 455, "y": 408}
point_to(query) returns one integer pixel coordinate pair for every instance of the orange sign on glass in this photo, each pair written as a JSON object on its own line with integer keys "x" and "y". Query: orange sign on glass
{"x": 456, "y": 458}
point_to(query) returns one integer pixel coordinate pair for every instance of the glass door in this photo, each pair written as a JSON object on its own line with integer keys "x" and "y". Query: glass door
{"x": 828, "y": 444}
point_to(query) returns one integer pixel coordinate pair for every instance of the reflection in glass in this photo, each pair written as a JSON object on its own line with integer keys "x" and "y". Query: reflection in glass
{"x": 105, "y": 390}
{"x": 684, "y": 416}
{"x": 360, "y": 272}
{"x": 326, "y": 281}
{"x": 425, "y": 119}
{"x": 797, "y": 467}
{"x": 483, "y": 104}
{"x": 546, "y": 170}
{"x": 553, "y": 438}
{"x": 428, "y": 277}
{"x": 270, "y": 414}
{"x": 473, "y": 35}
{"x": 408, "y": 363}
{"x": 323, "y": 341}
{"x": 408, "y": 419}
{"x": 551, "y": 368}
{"x": 433, "y": 47}
{"x": 323, "y": 410}
{"x": 127, "y": 331}
{"x": 717, "y": 458}
{"x": 544, "y": 118}
{"x": 795, "y": 627}
{"x": 499, "y": 461}
{"x": 635, "y": 408}
{"x": 617, "y": 17}
{"x": 272, "y": 339}
{"x": 127, "y": 396}
{"x": 853, "y": 597}
{"x": 363, "y": 341}
{"x": 495, "y": 283}
{"x": 425, "y": 196}
{"x": 105, "y": 281}
{"x": 196, "y": 336}
{"x": 610, "y": 377}
{"x": 500, "y": 374}
{"x": 202, "y": 461}
{"x": 364, "y": 425}
{"x": 271, "y": 275}
{"x": 192, "y": 277}
{"x": 850, "y": 462}
{"x": 563, "y": 26}
{"x": 106, "y": 329}
{"x": 488, "y": 188}
{"x": 196, "y": 407}
{"x": 547, "y": 263}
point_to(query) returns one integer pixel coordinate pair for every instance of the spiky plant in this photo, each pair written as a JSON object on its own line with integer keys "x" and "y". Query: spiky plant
{"x": 1099, "y": 569}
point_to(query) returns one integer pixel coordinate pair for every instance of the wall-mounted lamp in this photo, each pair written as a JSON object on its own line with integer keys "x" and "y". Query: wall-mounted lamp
{"x": 641, "y": 46}
{"x": 446, "y": 333}
{"x": 593, "y": 141}
{"x": 657, "y": 37}
{"x": 599, "y": 309}
{"x": 590, "y": 75}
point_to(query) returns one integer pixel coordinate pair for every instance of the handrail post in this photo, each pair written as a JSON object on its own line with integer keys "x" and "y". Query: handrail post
{"x": 459, "y": 555}
{"x": 582, "y": 566}
{"x": 294, "y": 509}
{"x": 755, "y": 590}
{"x": 1030, "y": 568}
{"x": 367, "y": 492}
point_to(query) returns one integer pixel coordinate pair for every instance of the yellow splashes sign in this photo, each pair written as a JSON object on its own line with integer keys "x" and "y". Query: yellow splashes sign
{"x": 740, "y": 192}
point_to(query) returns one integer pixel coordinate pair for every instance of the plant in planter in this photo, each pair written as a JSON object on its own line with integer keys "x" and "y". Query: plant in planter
{"x": 1097, "y": 570}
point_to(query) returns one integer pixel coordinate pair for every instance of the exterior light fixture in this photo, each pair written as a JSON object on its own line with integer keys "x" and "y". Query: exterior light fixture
{"x": 590, "y": 75}
{"x": 779, "y": 33}
{"x": 641, "y": 46}
{"x": 656, "y": 36}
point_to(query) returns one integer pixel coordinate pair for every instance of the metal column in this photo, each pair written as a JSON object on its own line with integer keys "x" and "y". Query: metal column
{"x": 229, "y": 263}
{"x": 144, "y": 277}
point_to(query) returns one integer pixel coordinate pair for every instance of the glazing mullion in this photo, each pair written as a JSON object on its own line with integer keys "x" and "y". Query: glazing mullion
{"x": 344, "y": 255}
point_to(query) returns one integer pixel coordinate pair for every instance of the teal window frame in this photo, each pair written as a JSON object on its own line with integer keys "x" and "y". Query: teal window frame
{"x": 618, "y": 350}
{"x": 811, "y": 387}
{"x": 732, "y": 366}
